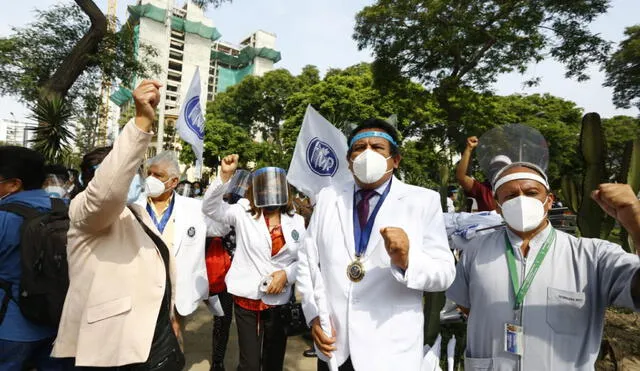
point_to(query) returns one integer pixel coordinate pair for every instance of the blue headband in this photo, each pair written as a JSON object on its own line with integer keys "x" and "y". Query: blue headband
{"x": 368, "y": 134}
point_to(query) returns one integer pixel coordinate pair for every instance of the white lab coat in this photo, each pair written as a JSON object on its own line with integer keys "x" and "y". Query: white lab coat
{"x": 379, "y": 320}
{"x": 189, "y": 234}
{"x": 252, "y": 261}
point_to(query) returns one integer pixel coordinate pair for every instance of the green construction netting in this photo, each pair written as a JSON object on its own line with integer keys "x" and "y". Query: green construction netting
{"x": 228, "y": 77}
{"x": 122, "y": 96}
{"x": 158, "y": 14}
{"x": 147, "y": 11}
{"x": 246, "y": 56}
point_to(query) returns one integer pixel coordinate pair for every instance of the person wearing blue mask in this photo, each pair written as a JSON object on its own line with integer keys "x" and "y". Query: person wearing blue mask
{"x": 22, "y": 342}
{"x": 118, "y": 309}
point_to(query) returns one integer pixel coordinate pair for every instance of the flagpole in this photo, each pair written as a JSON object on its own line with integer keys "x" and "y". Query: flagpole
{"x": 163, "y": 90}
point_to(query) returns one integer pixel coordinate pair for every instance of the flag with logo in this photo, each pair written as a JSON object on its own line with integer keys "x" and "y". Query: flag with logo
{"x": 320, "y": 156}
{"x": 190, "y": 123}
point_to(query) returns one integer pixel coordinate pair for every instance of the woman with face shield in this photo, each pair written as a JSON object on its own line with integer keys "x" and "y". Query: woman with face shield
{"x": 268, "y": 235}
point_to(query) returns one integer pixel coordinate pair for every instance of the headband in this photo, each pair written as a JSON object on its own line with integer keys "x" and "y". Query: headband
{"x": 368, "y": 134}
{"x": 518, "y": 176}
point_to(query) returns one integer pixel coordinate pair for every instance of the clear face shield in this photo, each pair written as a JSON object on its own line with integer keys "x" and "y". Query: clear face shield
{"x": 270, "y": 187}
{"x": 55, "y": 186}
{"x": 184, "y": 189}
{"x": 511, "y": 143}
{"x": 238, "y": 186}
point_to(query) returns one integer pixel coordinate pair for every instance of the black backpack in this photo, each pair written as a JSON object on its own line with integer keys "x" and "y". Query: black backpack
{"x": 43, "y": 257}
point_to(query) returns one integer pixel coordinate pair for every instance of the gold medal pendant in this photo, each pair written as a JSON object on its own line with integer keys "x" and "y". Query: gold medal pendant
{"x": 355, "y": 271}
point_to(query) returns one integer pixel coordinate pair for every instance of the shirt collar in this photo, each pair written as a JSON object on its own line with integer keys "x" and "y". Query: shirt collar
{"x": 534, "y": 245}
{"x": 159, "y": 213}
{"x": 379, "y": 190}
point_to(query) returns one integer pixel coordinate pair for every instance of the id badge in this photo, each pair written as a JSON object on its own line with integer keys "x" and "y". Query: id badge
{"x": 513, "y": 338}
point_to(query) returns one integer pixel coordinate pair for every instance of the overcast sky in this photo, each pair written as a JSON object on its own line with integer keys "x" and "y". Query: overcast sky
{"x": 320, "y": 33}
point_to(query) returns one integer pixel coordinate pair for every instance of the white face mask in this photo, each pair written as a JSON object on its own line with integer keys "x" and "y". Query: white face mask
{"x": 56, "y": 191}
{"x": 154, "y": 187}
{"x": 523, "y": 213}
{"x": 370, "y": 166}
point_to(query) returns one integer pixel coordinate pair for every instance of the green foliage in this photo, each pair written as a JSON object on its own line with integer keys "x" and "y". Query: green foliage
{"x": 205, "y": 3}
{"x": 347, "y": 97}
{"x": 623, "y": 70}
{"x": 469, "y": 42}
{"x": 618, "y": 131}
{"x": 558, "y": 120}
{"x": 32, "y": 54}
{"x": 52, "y": 135}
{"x": 87, "y": 128}
{"x": 454, "y": 47}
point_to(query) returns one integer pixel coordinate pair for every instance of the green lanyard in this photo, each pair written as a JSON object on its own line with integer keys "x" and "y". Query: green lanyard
{"x": 511, "y": 262}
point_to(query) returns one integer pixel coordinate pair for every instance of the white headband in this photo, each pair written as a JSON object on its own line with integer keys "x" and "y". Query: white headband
{"x": 518, "y": 176}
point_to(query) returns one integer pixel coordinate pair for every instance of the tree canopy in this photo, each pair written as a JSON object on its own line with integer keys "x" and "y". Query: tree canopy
{"x": 623, "y": 70}
{"x": 455, "y": 46}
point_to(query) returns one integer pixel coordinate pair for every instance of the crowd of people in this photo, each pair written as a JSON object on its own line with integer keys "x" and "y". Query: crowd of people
{"x": 144, "y": 249}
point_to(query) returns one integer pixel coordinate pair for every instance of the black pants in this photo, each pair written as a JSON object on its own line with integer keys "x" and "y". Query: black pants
{"x": 346, "y": 366}
{"x": 261, "y": 347}
{"x": 221, "y": 327}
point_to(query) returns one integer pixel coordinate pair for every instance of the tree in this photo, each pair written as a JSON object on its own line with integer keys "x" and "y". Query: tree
{"x": 467, "y": 44}
{"x": 53, "y": 137}
{"x": 618, "y": 130}
{"x": 623, "y": 70}
{"x": 257, "y": 105}
{"x": 47, "y": 58}
{"x": 347, "y": 97}
{"x": 559, "y": 122}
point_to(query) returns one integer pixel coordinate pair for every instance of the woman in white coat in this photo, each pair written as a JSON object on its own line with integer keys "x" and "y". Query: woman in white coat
{"x": 268, "y": 234}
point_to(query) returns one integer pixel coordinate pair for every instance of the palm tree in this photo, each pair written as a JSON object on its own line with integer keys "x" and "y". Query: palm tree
{"x": 52, "y": 135}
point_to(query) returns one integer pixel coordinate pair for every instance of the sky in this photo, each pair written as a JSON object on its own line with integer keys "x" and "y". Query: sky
{"x": 319, "y": 32}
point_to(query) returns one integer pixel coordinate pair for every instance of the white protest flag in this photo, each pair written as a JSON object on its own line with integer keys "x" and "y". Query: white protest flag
{"x": 190, "y": 124}
{"x": 320, "y": 156}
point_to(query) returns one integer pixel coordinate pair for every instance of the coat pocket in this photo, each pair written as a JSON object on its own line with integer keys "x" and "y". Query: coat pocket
{"x": 565, "y": 310}
{"x": 480, "y": 364}
{"x": 109, "y": 309}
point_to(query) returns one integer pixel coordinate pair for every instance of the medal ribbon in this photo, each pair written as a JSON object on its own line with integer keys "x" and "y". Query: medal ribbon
{"x": 361, "y": 237}
{"x": 165, "y": 218}
{"x": 513, "y": 272}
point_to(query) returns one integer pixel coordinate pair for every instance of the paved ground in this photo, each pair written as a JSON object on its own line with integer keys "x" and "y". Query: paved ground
{"x": 197, "y": 339}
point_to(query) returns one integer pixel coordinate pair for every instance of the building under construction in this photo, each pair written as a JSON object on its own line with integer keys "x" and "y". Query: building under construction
{"x": 185, "y": 39}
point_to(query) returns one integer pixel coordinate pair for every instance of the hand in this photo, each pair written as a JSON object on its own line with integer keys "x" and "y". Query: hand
{"x": 177, "y": 330}
{"x": 228, "y": 166}
{"x": 619, "y": 201}
{"x": 396, "y": 242}
{"x": 278, "y": 282}
{"x": 323, "y": 342}
{"x": 472, "y": 142}
{"x": 146, "y": 98}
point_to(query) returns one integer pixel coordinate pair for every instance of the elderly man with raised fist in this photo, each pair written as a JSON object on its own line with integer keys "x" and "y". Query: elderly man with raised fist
{"x": 118, "y": 308}
{"x": 378, "y": 244}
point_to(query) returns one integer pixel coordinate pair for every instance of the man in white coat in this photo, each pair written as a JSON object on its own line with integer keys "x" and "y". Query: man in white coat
{"x": 379, "y": 244}
{"x": 183, "y": 228}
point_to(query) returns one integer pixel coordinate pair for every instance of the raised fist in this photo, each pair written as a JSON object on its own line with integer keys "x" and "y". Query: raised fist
{"x": 146, "y": 97}
{"x": 472, "y": 142}
{"x": 228, "y": 166}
